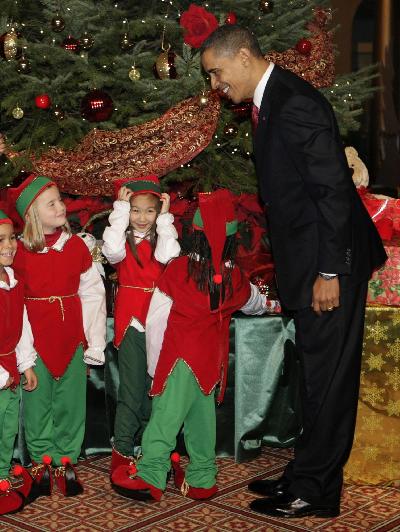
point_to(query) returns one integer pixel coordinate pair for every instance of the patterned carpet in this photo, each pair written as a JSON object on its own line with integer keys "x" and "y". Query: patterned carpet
{"x": 364, "y": 508}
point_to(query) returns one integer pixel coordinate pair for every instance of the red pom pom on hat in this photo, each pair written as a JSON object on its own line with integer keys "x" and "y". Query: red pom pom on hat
{"x": 217, "y": 278}
{"x": 65, "y": 460}
{"x": 47, "y": 459}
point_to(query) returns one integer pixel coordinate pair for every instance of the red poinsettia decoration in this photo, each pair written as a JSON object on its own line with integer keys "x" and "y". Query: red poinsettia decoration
{"x": 199, "y": 24}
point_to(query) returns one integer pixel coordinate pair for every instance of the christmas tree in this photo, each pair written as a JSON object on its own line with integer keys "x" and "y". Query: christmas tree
{"x": 71, "y": 67}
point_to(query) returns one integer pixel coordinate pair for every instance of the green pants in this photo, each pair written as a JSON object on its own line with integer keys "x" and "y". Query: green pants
{"x": 134, "y": 403}
{"x": 182, "y": 402}
{"x": 9, "y": 412}
{"x": 55, "y": 413}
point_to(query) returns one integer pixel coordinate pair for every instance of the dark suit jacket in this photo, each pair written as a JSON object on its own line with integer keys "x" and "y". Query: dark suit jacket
{"x": 316, "y": 219}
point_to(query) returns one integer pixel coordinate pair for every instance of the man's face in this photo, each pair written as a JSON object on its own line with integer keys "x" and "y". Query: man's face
{"x": 229, "y": 74}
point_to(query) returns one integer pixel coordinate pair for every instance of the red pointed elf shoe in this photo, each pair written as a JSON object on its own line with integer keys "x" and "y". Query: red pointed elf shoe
{"x": 125, "y": 482}
{"x": 66, "y": 478}
{"x": 27, "y": 479}
{"x": 186, "y": 490}
{"x": 42, "y": 481}
{"x": 118, "y": 459}
{"x": 11, "y": 501}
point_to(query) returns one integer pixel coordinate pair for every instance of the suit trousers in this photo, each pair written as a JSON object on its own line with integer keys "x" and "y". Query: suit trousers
{"x": 330, "y": 348}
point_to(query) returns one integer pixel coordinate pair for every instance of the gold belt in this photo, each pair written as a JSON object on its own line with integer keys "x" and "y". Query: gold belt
{"x": 145, "y": 289}
{"x": 6, "y": 354}
{"x": 51, "y": 299}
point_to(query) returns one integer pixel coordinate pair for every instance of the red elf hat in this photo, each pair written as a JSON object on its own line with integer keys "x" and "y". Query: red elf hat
{"x": 216, "y": 217}
{"x": 148, "y": 184}
{"x": 22, "y": 197}
{"x": 4, "y": 218}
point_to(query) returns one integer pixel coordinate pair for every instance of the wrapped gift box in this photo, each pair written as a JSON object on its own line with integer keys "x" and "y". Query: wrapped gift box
{"x": 384, "y": 286}
{"x": 384, "y": 211}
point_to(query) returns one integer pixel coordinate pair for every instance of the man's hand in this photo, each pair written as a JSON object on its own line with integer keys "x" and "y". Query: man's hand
{"x": 325, "y": 295}
{"x": 165, "y": 200}
{"x": 124, "y": 194}
{"x": 30, "y": 380}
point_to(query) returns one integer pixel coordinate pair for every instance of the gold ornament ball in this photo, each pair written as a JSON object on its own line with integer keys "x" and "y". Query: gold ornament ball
{"x": 125, "y": 42}
{"x": 203, "y": 100}
{"x": 86, "y": 41}
{"x": 164, "y": 67}
{"x": 134, "y": 74}
{"x": 57, "y": 23}
{"x": 266, "y": 6}
{"x": 10, "y": 44}
{"x": 230, "y": 130}
{"x": 58, "y": 113}
{"x": 17, "y": 113}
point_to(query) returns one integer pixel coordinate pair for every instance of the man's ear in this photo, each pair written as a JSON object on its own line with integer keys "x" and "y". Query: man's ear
{"x": 245, "y": 55}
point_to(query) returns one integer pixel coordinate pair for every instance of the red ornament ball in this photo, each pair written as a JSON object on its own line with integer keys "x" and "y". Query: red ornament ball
{"x": 71, "y": 44}
{"x": 231, "y": 18}
{"x": 43, "y": 101}
{"x": 97, "y": 106}
{"x": 304, "y": 46}
{"x": 47, "y": 459}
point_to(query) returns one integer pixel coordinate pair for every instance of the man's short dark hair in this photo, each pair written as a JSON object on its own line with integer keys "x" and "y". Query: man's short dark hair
{"x": 229, "y": 39}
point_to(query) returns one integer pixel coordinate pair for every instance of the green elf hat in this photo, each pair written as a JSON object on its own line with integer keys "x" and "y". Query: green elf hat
{"x": 24, "y": 195}
{"x": 216, "y": 217}
{"x": 148, "y": 184}
{"x": 4, "y": 218}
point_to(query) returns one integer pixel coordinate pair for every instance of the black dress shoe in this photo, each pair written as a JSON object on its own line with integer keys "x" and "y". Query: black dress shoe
{"x": 269, "y": 487}
{"x": 294, "y": 508}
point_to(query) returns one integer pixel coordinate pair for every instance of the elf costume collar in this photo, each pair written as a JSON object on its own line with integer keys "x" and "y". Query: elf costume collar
{"x": 59, "y": 245}
{"x": 148, "y": 184}
{"x": 13, "y": 281}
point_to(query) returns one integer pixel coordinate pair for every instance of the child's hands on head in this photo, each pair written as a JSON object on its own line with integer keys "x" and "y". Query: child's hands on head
{"x": 124, "y": 194}
{"x": 165, "y": 202}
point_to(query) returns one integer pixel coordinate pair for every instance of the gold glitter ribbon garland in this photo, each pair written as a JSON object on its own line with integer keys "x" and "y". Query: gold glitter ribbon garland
{"x": 156, "y": 147}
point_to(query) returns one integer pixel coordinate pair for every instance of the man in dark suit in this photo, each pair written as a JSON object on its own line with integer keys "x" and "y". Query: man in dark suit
{"x": 325, "y": 247}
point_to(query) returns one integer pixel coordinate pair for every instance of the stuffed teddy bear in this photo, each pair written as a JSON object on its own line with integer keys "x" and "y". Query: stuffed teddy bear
{"x": 360, "y": 171}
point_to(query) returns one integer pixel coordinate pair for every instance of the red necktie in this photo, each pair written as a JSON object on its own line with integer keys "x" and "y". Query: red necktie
{"x": 254, "y": 117}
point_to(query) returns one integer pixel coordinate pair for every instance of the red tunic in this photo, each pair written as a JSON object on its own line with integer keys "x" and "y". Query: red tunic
{"x": 11, "y": 314}
{"x": 134, "y": 302}
{"x": 56, "y": 322}
{"x": 194, "y": 333}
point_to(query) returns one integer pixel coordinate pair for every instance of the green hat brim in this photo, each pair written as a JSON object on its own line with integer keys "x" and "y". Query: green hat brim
{"x": 30, "y": 193}
{"x": 231, "y": 227}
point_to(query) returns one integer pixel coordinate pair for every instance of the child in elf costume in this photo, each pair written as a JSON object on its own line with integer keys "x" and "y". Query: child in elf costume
{"x": 187, "y": 333}
{"x": 13, "y": 361}
{"x": 140, "y": 240}
{"x": 65, "y": 302}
